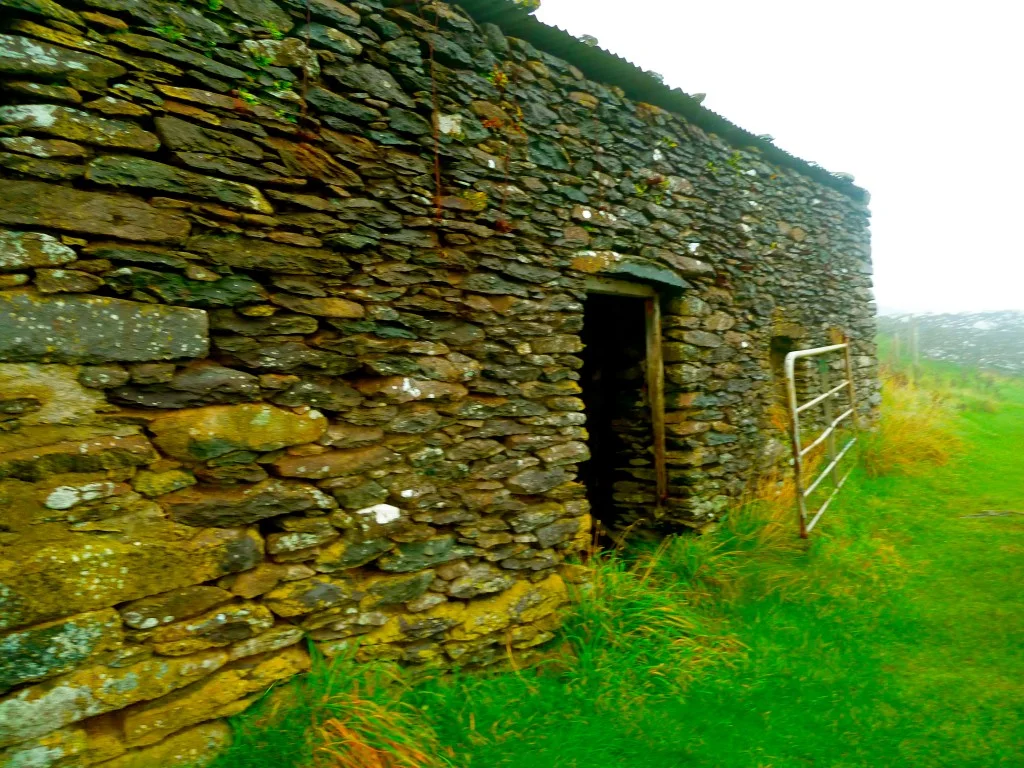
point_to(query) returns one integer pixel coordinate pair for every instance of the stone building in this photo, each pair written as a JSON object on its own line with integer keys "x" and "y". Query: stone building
{"x": 334, "y": 320}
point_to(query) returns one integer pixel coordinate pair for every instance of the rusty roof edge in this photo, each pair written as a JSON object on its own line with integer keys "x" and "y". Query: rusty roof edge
{"x": 606, "y": 67}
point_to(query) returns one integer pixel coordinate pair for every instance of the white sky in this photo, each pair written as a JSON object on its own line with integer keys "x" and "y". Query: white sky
{"x": 923, "y": 101}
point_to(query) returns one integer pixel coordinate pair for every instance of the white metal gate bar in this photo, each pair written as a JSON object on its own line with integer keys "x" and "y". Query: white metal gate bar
{"x": 828, "y": 435}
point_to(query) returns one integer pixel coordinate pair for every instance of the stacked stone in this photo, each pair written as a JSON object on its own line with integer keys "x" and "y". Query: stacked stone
{"x": 255, "y": 389}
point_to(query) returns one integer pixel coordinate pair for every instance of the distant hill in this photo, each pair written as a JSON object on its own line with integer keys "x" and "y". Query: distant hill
{"x": 993, "y": 340}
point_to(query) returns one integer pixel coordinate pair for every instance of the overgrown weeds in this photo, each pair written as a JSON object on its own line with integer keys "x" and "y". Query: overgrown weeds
{"x": 340, "y": 715}
{"x": 916, "y": 431}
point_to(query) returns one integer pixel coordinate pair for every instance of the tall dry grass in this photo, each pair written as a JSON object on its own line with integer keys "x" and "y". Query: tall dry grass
{"x": 339, "y": 715}
{"x": 916, "y": 430}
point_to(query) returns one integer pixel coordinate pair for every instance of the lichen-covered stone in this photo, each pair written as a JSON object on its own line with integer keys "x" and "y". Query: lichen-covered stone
{"x": 175, "y": 289}
{"x": 232, "y": 506}
{"x": 77, "y": 125}
{"x": 400, "y": 389}
{"x": 51, "y": 395}
{"x": 522, "y": 604}
{"x": 91, "y": 455}
{"x": 206, "y": 433}
{"x": 185, "y": 136}
{"x": 297, "y": 598}
{"x": 47, "y": 9}
{"x": 191, "y": 748}
{"x": 44, "y": 148}
{"x": 331, "y": 11}
{"x": 264, "y": 577}
{"x": 377, "y": 82}
{"x": 281, "y": 636}
{"x": 480, "y": 579}
{"x": 25, "y": 57}
{"x": 147, "y": 723}
{"x": 325, "y": 307}
{"x": 89, "y": 571}
{"x": 24, "y": 250}
{"x": 263, "y": 12}
{"x": 93, "y": 329}
{"x": 45, "y": 707}
{"x": 419, "y": 555}
{"x": 315, "y": 533}
{"x": 64, "y": 748}
{"x": 335, "y": 463}
{"x": 151, "y": 612}
{"x": 393, "y": 590}
{"x": 346, "y": 553}
{"x": 534, "y": 481}
{"x": 50, "y": 649}
{"x": 332, "y": 39}
{"x": 565, "y": 454}
{"x": 214, "y": 629}
{"x": 248, "y": 253}
{"x": 562, "y": 531}
{"x": 124, "y": 170}
{"x": 66, "y": 281}
{"x": 154, "y": 484}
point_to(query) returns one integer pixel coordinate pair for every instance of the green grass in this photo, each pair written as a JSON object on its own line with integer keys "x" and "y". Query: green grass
{"x": 892, "y": 638}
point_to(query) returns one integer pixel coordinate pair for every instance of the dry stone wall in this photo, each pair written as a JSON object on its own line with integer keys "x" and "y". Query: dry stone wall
{"x": 290, "y": 308}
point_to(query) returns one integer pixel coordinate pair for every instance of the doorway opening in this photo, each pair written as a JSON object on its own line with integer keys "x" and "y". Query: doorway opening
{"x": 622, "y": 382}
{"x": 780, "y": 347}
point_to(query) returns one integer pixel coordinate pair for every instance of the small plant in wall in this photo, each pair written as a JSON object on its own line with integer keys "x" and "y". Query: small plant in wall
{"x": 288, "y": 117}
{"x": 498, "y": 78}
{"x": 273, "y": 30}
{"x": 169, "y": 32}
{"x": 246, "y": 97}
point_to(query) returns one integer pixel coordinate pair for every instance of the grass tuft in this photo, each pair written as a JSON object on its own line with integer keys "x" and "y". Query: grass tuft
{"x": 340, "y": 715}
{"x": 917, "y": 430}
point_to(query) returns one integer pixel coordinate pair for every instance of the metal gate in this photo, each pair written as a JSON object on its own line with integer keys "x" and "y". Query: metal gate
{"x": 826, "y": 397}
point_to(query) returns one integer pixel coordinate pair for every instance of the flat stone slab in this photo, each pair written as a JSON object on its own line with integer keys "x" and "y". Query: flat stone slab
{"x": 88, "y": 571}
{"x": 129, "y": 171}
{"x": 94, "y": 329}
{"x": 47, "y": 650}
{"x": 78, "y": 125}
{"x": 36, "y": 204}
{"x": 22, "y": 56}
{"x": 25, "y": 250}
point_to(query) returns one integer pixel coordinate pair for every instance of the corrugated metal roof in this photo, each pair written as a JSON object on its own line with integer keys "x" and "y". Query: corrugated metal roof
{"x": 606, "y": 67}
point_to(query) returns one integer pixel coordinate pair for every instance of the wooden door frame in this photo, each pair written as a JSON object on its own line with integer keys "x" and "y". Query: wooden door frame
{"x": 655, "y": 364}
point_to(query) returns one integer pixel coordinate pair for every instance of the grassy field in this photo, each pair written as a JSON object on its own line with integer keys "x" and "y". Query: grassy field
{"x": 895, "y": 637}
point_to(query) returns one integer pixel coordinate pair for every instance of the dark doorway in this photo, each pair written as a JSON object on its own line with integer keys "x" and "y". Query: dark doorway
{"x": 618, "y": 476}
{"x": 780, "y": 347}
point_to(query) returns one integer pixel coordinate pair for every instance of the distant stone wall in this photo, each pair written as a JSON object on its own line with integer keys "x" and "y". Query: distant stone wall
{"x": 253, "y": 389}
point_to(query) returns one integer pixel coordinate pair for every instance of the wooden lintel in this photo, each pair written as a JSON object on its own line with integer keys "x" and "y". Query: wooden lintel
{"x": 614, "y": 287}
